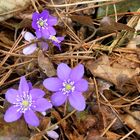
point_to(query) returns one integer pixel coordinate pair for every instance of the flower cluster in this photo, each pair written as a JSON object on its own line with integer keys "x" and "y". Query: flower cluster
{"x": 43, "y": 24}
{"x": 29, "y": 37}
{"x": 68, "y": 86}
{"x": 27, "y": 100}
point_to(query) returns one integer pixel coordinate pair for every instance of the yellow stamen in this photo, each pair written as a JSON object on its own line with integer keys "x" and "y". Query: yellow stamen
{"x": 25, "y": 103}
{"x": 53, "y": 38}
{"x": 68, "y": 87}
{"x": 41, "y": 23}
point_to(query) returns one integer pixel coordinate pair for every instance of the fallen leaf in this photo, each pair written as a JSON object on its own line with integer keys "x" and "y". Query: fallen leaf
{"x": 132, "y": 120}
{"x": 17, "y": 130}
{"x": 8, "y": 8}
{"x": 103, "y": 85}
{"x": 46, "y": 65}
{"x": 85, "y": 20}
{"x": 101, "y": 68}
{"x": 74, "y": 136}
{"x": 94, "y": 134}
{"x": 109, "y": 24}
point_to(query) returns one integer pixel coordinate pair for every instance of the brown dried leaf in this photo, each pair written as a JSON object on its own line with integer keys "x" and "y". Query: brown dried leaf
{"x": 103, "y": 85}
{"x": 46, "y": 65}
{"x": 133, "y": 121}
{"x": 13, "y": 131}
{"x": 74, "y": 136}
{"x": 4, "y": 38}
{"x": 36, "y": 137}
{"x": 102, "y": 69}
{"x": 25, "y": 23}
{"x": 125, "y": 61}
{"x": 8, "y": 8}
{"x": 94, "y": 134}
{"x": 84, "y": 122}
{"x": 109, "y": 116}
{"x": 109, "y": 24}
{"x": 85, "y": 20}
{"x": 44, "y": 123}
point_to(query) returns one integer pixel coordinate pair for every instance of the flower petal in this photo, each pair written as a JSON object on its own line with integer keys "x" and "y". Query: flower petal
{"x": 28, "y": 36}
{"x": 30, "y": 49}
{"x": 35, "y": 15}
{"x": 52, "y": 134}
{"x": 11, "y": 96}
{"x": 77, "y": 73}
{"x": 30, "y": 85}
{"x": 45, "y": 33}
{"x": 60, "y": 38}
{"x": 52, "y": 21}
{"x": 12, "y": 114}
{"x": 31, "y": 118}
{"x": 81, "y": 85}
{"x": 44, "y": 14}
{"x": 34, "y": 25}
{"x": 42, "y": 104}
{"x": 77, "y": 101}
{"x": 53, "y": 84}
{"x": 51, "y": 31}
{"x": 63, "y": 71}
{"x": 23, "y": 85}
{"x": 58, "y": 98}
{"x": 38, "y": 34}
{"x": 57, "y": 45}
{"x": 37, "y": 93}
{"x": 44, "y": 46}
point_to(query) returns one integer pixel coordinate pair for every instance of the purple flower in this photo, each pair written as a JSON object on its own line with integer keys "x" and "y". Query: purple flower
{"x": 69, "y": 85}
{"x": 56, "y": 40}
{"x": 32, "y": 48}
{"x": 42, "y": 23}
{"x": 25, "y": 101}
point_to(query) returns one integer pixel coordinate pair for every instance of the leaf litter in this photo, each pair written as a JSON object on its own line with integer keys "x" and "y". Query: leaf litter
{"x": 105, "y": 42}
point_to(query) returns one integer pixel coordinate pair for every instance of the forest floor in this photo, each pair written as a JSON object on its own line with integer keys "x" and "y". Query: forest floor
{"x": 103, "y": 36}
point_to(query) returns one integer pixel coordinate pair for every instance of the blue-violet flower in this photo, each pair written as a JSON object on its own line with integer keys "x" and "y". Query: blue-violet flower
{"x": 56, "y": 41}
{"x": 25, "y": 101}
{"x": 32, "y": 47}
{"x": 43, "y": 24}
{"x": 69, "y": 85}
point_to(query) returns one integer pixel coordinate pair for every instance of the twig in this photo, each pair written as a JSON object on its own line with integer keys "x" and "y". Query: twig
{"x": 33, "y": 3}
{"x": 82, "y": 2}
{"x": 108, "y": 127}
{"x": 124, "y": 137}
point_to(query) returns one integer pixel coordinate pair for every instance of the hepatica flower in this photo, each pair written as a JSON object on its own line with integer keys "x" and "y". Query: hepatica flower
{"x": 29, "y": 37}
{"x": 56, "y": 41}
{"x": 43, "y": 24}
{"x": 25, "y": 101}
{"x": 68, "y": 85}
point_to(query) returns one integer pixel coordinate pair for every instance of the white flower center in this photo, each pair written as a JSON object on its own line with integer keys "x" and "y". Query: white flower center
{"x": 68, "y": 87}
{"x": 42, "y": 23}
{"x": 24, "y": 102}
